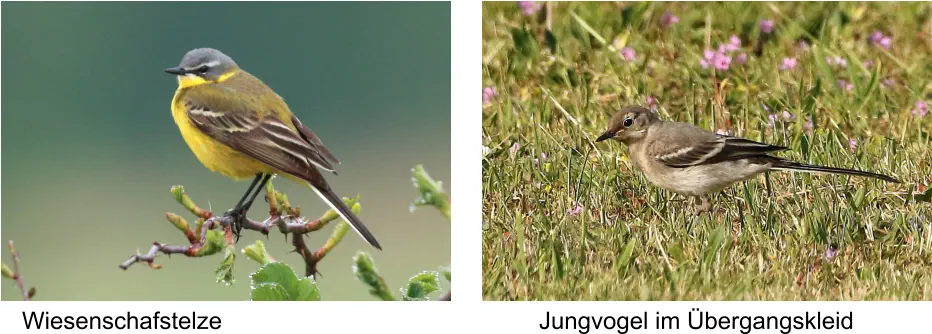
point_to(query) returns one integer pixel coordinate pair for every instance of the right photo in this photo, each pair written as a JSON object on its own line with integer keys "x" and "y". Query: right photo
{"x": 707, "y": 151}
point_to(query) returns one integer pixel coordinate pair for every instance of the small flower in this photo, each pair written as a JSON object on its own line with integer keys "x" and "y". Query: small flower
{"x": 772, "y": 120}
{"x": 878, "y": 38}
{"x": 543, "y": 155}
{"x": 741, "y": 58}
{"x": 852, "y": 144}
{"x": 721, "y": 62}
{"x": 845, "y": 86}
{"x": 734, "y": 43}
{"x": 651, "y": 103}
{"x": 766, "y": 108}
{"x": 803, "y": 45}
{"x": 513, "y": 150}
{"x": 830, "y": 253}
{"x": 788, "y": 64}
{"x": 841, "y": 62}
{"x": 575, "y": 211}
{"x": 723, "y": 132}
{"x": 529, "y": 7}
{"x": 808, "y": 126}
{"x": 921, "y": 108}
{"x": 787, "y": 116}
{"x": 628, "y": 53}
{"x": 488, "y": 93}
{"x": 707, "y": 57}
{"x": 887, "y": 83}
{"x": 868, "y": 63}
{"x": 766, "y": 26}
{"x": 669, "y": 19}
{"x": 886, "y": 42}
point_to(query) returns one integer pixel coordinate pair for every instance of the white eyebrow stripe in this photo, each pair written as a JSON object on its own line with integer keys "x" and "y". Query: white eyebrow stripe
{"x": 212, "y": 63}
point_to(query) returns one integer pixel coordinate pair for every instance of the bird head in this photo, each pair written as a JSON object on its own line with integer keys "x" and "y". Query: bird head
{"x": 629, "y": 124}
{"x": 204, "y": 65}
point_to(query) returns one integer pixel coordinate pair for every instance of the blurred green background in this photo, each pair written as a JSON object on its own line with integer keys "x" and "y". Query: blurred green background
{"x": 90, "y": 149}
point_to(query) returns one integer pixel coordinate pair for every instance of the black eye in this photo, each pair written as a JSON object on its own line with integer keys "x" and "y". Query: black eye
{"x": 628, "y": 122}
{"x": 203, "y": 69}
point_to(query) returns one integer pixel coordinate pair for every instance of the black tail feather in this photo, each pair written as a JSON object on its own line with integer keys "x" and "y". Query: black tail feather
{"x": 337, "y": 204}
{"x": 800, "y": 167}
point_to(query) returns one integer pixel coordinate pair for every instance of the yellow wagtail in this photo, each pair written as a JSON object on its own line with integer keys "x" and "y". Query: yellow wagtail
{"x": 237, "y": 126}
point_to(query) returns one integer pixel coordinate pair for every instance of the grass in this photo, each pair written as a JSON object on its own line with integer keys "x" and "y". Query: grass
{"x": 569, "y": 219}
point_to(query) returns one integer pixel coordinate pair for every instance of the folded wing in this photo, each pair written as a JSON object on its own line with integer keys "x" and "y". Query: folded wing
{"x": 716, "y": 150}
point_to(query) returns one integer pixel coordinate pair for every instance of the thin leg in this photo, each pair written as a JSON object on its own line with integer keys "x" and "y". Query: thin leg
{"x": 238, "y": 213}
{"x": 251, "y": 186}
{"x": 702, "y": 204}
{"x": 256, "y": 193}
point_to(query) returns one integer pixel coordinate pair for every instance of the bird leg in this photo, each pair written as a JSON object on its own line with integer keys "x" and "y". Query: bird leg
{"x": 702, "y": 204}
{"x": 238, "y": 213}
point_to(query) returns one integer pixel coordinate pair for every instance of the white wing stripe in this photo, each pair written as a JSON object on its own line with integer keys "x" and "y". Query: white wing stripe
{"x": 675, "y": 154}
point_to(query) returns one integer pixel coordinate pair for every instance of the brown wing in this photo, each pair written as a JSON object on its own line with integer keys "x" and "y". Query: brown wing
{"x": 722, "y": 148}
{"x": 267, "y": 139}
{"x": 311, "y": 138}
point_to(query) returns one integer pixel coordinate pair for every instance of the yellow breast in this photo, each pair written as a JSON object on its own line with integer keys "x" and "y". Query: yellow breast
{"x": 215, "y": 156}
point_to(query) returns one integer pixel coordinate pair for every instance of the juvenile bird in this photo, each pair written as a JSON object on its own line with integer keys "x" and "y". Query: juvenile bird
{"x": 694, "y": 162}
{"x": 237, "y": 126}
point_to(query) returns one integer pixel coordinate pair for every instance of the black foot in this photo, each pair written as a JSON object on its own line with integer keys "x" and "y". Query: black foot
{"x": 238, "y": 217}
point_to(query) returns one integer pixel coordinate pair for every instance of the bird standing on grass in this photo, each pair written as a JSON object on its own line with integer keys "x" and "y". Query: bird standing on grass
{"x": 237, "y": 126}
{"x": 694, "y": 162}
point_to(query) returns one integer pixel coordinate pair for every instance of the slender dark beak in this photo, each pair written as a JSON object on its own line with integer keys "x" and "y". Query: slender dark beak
{"x": 607, "y": 135}
{"x": 178, "y": 70}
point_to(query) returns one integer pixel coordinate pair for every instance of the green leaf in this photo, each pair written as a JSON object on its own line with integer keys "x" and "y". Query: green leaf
{"x": 277, "y": 273}
{"x": 521, "y": 263}
{"x": 431, "y": 192}
{"x": 625, "y": 257}
{"x": 551, "y": 41}
{"x": 257, "y": 253}
{"x": 307, "y": 290}
{"x": 421, "y": 285}
{"x": 216, "y": 241}
{"x": 9, "y": 273}
{"x": 925, "y": 197}
{"x": 446, "y": 273}
{"x": 225, "y": 270}
{"x": 366, "y": 272}
{"x": 525, "y": 42}
{"x": 278, "y": 281}
{"x": 269, "y": 292}
{"x": 591, "y": 31}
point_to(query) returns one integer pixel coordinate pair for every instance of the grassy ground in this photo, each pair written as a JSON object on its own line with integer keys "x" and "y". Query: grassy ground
{"x": 568, "y": 219}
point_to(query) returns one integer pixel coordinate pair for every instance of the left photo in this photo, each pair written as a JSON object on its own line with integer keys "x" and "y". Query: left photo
{"x": 226, "y": 151}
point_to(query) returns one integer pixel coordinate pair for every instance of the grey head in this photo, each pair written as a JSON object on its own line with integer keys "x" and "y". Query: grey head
{"x": 629, "y": 124}
{"x": 206, "y": 63}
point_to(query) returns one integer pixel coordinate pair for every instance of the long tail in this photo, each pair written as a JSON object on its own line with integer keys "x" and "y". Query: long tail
{"x": 337, "y": 205}
{"x": 800, "y": 167}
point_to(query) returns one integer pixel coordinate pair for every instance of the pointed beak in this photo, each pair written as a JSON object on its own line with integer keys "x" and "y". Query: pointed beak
{"x": 178, "y": 70}
{"x": 607, "y": 135}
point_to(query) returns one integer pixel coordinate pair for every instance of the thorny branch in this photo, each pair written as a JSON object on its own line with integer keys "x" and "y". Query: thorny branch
{"x": 202, "y": 242}
{"x": 17, "y": 275}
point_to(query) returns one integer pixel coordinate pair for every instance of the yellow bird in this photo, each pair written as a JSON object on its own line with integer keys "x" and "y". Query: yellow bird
{"x": 237, "y": 126}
